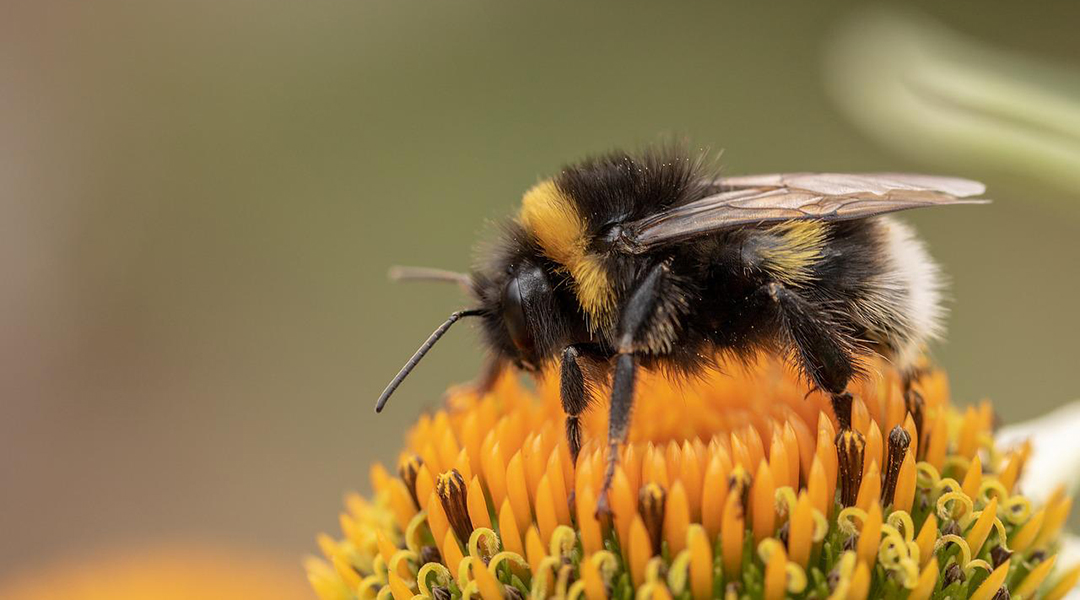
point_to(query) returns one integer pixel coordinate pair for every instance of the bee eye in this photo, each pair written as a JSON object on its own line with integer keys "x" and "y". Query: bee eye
{"x": 513, "y": 313}
{"x": 526, "y": 301}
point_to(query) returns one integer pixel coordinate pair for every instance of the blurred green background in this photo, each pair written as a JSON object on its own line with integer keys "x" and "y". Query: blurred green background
{"x": 199, "y": 202}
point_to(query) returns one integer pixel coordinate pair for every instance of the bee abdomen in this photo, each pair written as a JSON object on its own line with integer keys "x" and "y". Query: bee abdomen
{"x": 903, "y": 303}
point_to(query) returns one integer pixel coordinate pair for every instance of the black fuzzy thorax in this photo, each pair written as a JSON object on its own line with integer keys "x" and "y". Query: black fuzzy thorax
{"x": 618, "y": 188}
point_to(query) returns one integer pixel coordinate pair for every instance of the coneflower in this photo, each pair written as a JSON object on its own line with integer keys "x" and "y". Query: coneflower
{"x": 732, "y": 486}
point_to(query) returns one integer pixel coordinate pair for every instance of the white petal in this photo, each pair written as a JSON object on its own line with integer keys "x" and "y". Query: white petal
{"x": 1055, "y": 457}
{"x": 1067, "y": 557}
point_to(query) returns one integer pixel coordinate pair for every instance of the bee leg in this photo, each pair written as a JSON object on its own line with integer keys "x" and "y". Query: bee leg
{"x": 841, "y": 405}
{"x": 913, "y": 375}
{"x": 575, "y": 393}
{"x": 823, "y": 352}
{"x": 635, "y": 313}
{"x": 489, "y": 373}
{"x": 622, "y": 401}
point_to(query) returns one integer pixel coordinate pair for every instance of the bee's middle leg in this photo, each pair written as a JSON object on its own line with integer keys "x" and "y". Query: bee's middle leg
{"x": 823, "y": 351}
{"x": 635, "y": 313}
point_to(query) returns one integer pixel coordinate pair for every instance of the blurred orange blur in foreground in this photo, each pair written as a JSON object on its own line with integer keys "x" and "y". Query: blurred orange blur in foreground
{"x": 162, "y": 573}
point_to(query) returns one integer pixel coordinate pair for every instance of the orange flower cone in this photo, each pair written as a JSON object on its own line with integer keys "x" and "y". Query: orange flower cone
{"x": 739, "y": 485}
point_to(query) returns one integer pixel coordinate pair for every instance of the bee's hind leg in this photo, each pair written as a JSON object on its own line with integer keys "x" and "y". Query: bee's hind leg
{"x": 912, "y": 375}
{"x": 914, "y": 402}
{"x": 823, "y": 352}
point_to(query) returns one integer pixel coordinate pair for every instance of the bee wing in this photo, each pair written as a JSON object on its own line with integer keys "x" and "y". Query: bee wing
{"x": 757, "y": 199}
{"x": 841, "y": 184}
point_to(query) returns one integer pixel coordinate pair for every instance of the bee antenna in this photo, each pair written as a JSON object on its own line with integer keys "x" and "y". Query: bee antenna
{"x": 400, "y": 273}
{"x": 411, "y": 364}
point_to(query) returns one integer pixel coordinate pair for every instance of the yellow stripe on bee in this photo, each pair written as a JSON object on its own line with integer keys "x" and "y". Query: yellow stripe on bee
{"x": 800, "y": 247}
{"x": 553, "y": 219}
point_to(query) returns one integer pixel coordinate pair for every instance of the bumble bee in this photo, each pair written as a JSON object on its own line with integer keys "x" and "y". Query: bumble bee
{"x": 625, "y": 262}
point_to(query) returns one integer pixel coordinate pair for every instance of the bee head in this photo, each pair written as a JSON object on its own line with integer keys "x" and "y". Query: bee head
{"x": 522, "y": 320}
{"x": 516, "y": 295}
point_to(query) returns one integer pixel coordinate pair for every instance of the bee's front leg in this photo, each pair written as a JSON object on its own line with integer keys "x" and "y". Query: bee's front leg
{"x": 490, "y": 372}
{"x": 575, "y": 391}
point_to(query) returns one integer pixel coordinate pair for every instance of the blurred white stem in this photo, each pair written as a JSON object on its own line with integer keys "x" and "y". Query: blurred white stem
{"x": 941, "y": 97}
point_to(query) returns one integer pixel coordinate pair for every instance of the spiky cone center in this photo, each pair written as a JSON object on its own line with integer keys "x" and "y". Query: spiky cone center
{"x": 734, "y": 486}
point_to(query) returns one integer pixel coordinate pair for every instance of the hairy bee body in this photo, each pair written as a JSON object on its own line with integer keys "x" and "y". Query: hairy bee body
{"x": 624, "y": 262}
{"x": 869, "y": 282}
